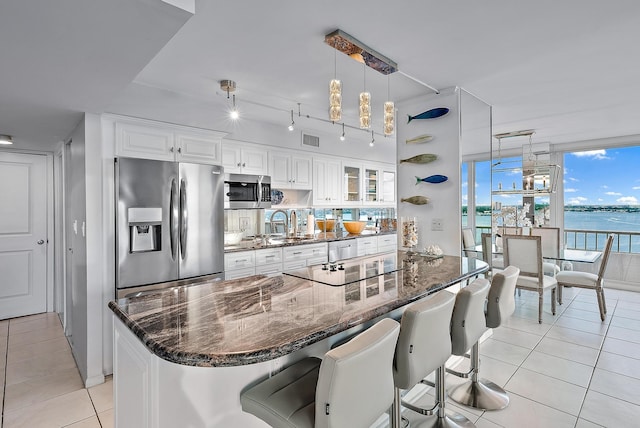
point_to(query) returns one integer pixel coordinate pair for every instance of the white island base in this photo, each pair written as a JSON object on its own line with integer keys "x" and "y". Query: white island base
{"x": 150, "y": 392}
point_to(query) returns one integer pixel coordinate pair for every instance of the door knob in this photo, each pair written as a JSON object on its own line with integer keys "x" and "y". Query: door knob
{"x": 40, "y": 242}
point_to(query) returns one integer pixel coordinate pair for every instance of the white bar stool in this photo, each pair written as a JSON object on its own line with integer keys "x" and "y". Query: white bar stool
{"x": 468, "y": 324}
{"x": 350, "y": 387}
{"x": 424, "y": 345}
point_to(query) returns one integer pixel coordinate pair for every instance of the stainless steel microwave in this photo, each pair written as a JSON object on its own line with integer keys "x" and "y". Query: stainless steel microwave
{"x": 247, "y": 191}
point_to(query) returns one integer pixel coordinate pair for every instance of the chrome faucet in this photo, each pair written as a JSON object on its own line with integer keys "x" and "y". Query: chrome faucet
{"x": 286, "y": 221}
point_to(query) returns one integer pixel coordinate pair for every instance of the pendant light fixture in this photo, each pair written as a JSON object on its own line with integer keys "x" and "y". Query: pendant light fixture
{"x": 230, "y": 86}
{"x": 365, "y": 103}
{"x": 343, "y": 137}
{"x": 389, "y": 108}
{"x": 7, "y": 140}
{"x": 335, "y": 93}
{"x": 292, "y": 125}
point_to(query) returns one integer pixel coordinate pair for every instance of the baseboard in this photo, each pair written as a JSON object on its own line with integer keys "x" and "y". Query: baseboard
{"x": 621, "y": 285}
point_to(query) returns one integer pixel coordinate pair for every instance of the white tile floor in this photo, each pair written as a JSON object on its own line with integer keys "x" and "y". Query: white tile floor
{"x": 41, "y": 383}
{"x": 570, "y": 371}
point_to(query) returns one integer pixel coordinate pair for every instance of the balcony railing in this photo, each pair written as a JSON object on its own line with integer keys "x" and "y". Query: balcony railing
{"x": 580, "y": 239}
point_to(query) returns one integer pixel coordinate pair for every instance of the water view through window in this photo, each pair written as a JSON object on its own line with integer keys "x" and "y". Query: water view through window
{"x": 601, "y": 195}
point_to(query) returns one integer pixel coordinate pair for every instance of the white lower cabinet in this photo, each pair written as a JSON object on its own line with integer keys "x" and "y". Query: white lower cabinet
{"x": 299, "y": 256}
{"x": 239, "y": 264}
{"x": 367, "y": 246}
{"x": 387, "y": 243}
{"x": 269, "y": 261}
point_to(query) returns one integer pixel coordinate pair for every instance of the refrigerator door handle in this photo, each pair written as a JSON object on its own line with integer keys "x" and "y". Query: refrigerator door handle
{"x": 173, "y": 219}
{"x": 183, "y": 219}
{"x": 259, "y": 191}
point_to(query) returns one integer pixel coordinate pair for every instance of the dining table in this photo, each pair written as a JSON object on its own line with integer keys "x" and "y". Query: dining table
{"x": 565, "y": 254}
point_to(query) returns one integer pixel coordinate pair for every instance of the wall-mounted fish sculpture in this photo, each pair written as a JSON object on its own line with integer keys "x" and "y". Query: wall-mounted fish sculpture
{"x": 430, "y": 114}
{"x": 423, "y": 158}
{"x": 416, "y": 200}
{"x": 420, "y": 139}
{"x": 432, "y": 179}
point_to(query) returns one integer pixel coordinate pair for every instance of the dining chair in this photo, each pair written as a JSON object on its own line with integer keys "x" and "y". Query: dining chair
{"x": 487, "y": 253}
{"x": 510, "y": 230}
{"x": 468, "y": 242}
{"x": 550, "y": 247}
{"x": 588, "y": 280}
{"x": 525, "y": 253}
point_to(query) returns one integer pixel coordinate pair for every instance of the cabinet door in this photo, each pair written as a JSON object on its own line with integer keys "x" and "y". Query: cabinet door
{"x": 388, "y": 187}
{"x": 351, "y": 191}
{"x": 147, "y": 142}
{"x": 300, "y": 172}
{"x": 332, "y": 180}
{"x": 371, "y": 183}
{"x": 254, "y": 161}
{"x": 198, "y": 148}
{"x": 231, "y": 159}
{"x": 320, "y": 182}
{"x": 279, "y": 170}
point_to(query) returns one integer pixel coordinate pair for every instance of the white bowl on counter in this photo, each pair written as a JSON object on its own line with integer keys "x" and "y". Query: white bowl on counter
{"x": 232, "y": 237}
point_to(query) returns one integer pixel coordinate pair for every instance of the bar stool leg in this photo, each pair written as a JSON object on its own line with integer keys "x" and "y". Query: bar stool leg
{"x": 444, "y": 418}
{"x": 479, "y": 393}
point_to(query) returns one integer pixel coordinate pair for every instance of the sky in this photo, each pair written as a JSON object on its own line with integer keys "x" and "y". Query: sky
{"x": 596, "y": 177}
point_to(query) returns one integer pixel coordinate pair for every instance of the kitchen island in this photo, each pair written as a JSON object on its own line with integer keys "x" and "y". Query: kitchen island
{"x": 182, "y": 356}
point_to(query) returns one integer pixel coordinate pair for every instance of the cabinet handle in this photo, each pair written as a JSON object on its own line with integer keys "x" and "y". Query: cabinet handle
{"x": 171, "y": 149}
{"x": 241, "y": 261}
{"x": 244, "y": 164}
{"x": 269, "y": 257}
{"x": 297, "y": 253}
{"x": 238, "y": 164}
{"x": 179, "y": 149}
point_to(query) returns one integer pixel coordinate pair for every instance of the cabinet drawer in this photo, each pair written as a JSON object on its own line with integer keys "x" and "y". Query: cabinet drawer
{"x": 298, "y": 252}
{"x": 367, "y": 245}
{"x": 387, "y": 240}
{"x": 239, "y": 273}
{"x": 294, "y": 264}
{"x": 239, "y": 260}
{"x": 268, "y": 256}
{"x": 269, "y": 269}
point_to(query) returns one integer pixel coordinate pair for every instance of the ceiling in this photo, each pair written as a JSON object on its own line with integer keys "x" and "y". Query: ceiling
{"x": 566, "y": 69}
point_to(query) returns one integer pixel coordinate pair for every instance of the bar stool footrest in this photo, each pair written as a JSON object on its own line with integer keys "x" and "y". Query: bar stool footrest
{"x": 482, "y": 395}
{"x": 451, "y": 420}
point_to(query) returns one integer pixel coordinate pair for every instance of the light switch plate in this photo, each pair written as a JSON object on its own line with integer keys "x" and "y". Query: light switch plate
{"x": 436, "y": 224}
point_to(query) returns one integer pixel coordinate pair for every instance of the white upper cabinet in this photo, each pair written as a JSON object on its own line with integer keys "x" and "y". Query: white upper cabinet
{"x": 326, "y": 181}
{"x": 368, "y": 184}
{"x": 244, "y": 159}
{"x": 290, "y": 170}
{"x": 137, "y": 138}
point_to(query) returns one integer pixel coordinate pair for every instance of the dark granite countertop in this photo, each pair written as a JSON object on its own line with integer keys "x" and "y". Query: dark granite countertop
{"x": 258, "y": 318}
{"x": 275, "y": 242}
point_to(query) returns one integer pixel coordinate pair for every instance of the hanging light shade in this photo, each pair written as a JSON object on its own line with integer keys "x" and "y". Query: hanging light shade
{"x": 389, "y": 125}
{"x": 335, "y": 100}
{"x": 365, "y": 110}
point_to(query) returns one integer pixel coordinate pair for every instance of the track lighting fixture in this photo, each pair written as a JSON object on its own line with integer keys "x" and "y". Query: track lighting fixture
{"x": 343, "y": 137}
{"x": 230, "y": 86}
{"x": 6, "y": 139}
{"x": 373, "y": 140}
{"x": 292, "y": 125}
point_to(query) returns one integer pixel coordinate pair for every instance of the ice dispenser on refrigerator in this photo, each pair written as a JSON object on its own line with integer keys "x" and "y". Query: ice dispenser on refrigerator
{"x": 145, "y": 229}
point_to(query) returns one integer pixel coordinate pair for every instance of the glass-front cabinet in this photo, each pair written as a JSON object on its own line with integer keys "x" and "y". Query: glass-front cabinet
{"x": 371, "y": 185}
{"x": 351, "y": 190}
{"x": 388, "y": 187}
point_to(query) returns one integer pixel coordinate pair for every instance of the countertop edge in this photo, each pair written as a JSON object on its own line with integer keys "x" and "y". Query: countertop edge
{"x": 266, "y": 354}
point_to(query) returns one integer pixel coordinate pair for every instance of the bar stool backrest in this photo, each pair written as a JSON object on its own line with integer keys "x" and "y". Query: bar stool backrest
{"x": 355, "y": 383}
{"x": 501, "y": 302}
{"x": 424, "y": 343}
{"x": 468, "y": 320}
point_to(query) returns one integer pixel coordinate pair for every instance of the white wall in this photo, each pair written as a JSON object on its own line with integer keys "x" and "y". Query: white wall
{"x": 444, "y": 198}
{"x": 84, "y": 201}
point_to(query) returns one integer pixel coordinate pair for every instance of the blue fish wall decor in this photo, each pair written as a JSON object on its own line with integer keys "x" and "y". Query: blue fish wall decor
{"x": 430, "y": 114}
{"x": 432, "y": 179}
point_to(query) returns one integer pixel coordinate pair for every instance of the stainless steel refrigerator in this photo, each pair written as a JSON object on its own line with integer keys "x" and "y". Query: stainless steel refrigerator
{"x": 170, "y": 221}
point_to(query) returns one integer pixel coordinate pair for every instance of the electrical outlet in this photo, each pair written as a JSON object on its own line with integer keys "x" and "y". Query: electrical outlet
{"x": 436, "y": 224}
{"x": 244, "y": 223}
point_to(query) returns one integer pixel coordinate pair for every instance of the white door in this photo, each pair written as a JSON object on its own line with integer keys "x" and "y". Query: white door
{"x": 23, "y": 234}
